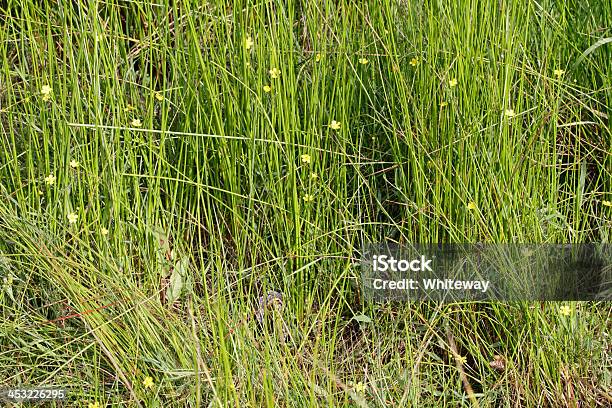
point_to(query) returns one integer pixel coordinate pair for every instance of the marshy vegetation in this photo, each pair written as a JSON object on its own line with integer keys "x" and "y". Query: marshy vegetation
{"x": 186, "y": 186}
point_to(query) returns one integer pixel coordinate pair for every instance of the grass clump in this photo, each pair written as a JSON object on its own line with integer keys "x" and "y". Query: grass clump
{"x": 165, "y": 166}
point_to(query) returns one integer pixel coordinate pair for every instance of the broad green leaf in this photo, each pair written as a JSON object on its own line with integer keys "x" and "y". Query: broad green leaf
{"x": 362, "y": 318}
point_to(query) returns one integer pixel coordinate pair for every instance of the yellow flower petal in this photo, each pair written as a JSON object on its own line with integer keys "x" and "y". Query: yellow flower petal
{"x": 308, "y": 198}
{"x": 334, "y": 125}
{"x": 359, "y": 388}
{"x": 461, "y": 359}
{"x": 453, "y": 82}
{"x": 559, "y": 73}
{"x": 50, "y": 179}
{"x": 565, "y": 310}
{"x": 248, "y": 43}
{"x": 148, "y": 382}
{"x": 274, "y": 73}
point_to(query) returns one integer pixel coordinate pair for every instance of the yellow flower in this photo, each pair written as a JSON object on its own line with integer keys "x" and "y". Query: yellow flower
{"x": 46, "y": 92}
{"x": 136, "y": 122}
{"x": 414, "y": 62}
{"x": 509, "y": 113}
{"x": 305, "y": 158}
{"x": 359, "y": 388}
{"x": 607, "y": 203}
{"x": 565, "y": 310}
{"x": 461, "y": 359}
{"x": 40, "y": 192}
{"x": 148, "y": 382}
{"x": 314, "y": 176}
{"x": 72, "y": 218}
{"x": 334, "y": 125}
{"x": 472, "y": 205}
{"x": 267, "y": 88}
{"x": 248, "y": 42}
{"x": 74, "y": 164}
{"x": 443, "y": 104}
{"x": 159, "y": 96}
{"x": 318, "y": 57}
{"x": 308, "y": 198}
{"x": 274, "y": 73}
{"x": 559, "y": 72}
{"x": 129, "y": 108}
{"x": 50, "y": 179}
{"x": 453, "y": 82}
{"x": 93, "y": 405}
{"x": 103, "y": 231}
{"x": 363, "y": 61}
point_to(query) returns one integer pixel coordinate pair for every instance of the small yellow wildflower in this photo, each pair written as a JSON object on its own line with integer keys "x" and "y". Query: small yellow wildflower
{"x": 274, "y": 73}
{"x": 305, "y": 158}
{"x": 72, "y": 218}
{"x": 50, "y": 179}
{"x": 46, "y": 92}
{"x": 308, "y": 198}
{"x": 267, "y": 88}
{"x": 129, "y": 108}
{"x": 148, "y": 382}
{"x": 248, "y": 43}
{"x": 565, "y": 310}
{"x": 314, "y": 176}
{"x": 363, "y": 61}
{"x": 74, "y": 164}
{"x": 40, "y": 192}
{"x": 443, "y": 104}
{"x": 136, "y": 122}
{"x": 510, "y": 113}
{"x": 472, "y": 205}
{"x": 318, "y": 57}
{"x": 453, "y": 82}
{"x": 103, "y": 231}
{"x": 607, "y": 203}
{"x": 93, "y": 405}
{"x": 359, "y": 388}
{"x": 461, "y": 359}
{"x": 414, "y": 61}
{"x": 559, "y": 73}
{"x": 334, "y": 125}
{"x": 159, "y": 96}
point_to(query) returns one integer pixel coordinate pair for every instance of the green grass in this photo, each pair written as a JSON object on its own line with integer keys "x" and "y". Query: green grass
{"x": 206, "y": 196}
